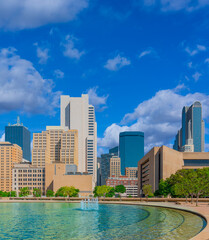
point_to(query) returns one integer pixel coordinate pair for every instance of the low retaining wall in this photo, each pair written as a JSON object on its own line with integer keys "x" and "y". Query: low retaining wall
{"x": 108, "y": 199}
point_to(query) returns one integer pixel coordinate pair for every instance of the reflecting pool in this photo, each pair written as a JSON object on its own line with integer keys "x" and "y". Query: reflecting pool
{"x": 111, "y": 221}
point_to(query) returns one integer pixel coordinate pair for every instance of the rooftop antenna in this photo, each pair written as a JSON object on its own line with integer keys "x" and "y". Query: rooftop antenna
{"x": 18, "y": 120}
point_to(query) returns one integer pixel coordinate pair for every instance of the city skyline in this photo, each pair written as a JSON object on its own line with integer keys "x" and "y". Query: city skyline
{"x": 133, "y": 59}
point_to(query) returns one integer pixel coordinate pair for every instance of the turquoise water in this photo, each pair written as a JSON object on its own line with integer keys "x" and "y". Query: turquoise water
{"x": 67, "y": 221}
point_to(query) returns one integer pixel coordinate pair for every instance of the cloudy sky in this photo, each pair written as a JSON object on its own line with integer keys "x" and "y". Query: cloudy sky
{"x": 140, "y": 61}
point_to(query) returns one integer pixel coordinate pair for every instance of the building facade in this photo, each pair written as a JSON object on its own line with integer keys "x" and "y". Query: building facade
{"x": 131, "y": 149}
{"x": 160, "y": 162}
{"x": 59, "y": 174}
{"x": 20, "y": 135}
{"x": 27, "y": 175}
{"x": 191, "y": 137}
{"x": 77, "y": 113}
{"x": 131, "y": 184}
{"x": 55, "y": 145}
{"x": 10, "y": 154}
{"x": 105, "y": 164}
{"x": 132, "y": 172}
{"x": 114, "y": 151}
{"x": 115, "y": 166}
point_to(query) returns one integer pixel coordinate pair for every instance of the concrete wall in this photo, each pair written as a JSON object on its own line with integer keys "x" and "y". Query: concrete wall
{"x": 55, "y": 178}
{"x": 82, "y": 182}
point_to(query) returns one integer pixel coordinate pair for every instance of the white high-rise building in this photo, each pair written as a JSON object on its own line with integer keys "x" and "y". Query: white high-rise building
{"x": 76, "y": 113}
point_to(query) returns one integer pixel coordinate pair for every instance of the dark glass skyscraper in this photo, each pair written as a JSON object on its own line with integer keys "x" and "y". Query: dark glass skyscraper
{"x": 131, "y": 149}
{"x": 191, "y": 137}
{"x": 19, "y": 135}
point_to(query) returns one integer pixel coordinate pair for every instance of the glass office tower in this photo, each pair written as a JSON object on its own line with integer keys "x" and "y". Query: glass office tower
{"x": 19, "y": 135}
{"x": 131, "y": 149}
{"x": 191, "y": 137}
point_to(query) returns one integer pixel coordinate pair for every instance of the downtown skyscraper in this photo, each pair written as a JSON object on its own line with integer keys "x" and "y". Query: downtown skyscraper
{"x": 191, "y": 137}
{"x": 20, "y": 135}
{"x": 77, "y": 113}
{"x": 131, "y": 149}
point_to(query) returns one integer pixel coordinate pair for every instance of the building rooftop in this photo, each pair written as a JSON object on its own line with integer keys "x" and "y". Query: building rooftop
{"x": 132, "y": 133}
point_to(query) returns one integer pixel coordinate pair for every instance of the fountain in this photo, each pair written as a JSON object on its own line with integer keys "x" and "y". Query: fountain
{"x": 90, "y": 204}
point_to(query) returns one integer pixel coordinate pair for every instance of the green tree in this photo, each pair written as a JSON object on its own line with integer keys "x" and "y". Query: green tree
{"x": 111, "y": 192}
{"x": 4, "y": 194}
{"x": 12, "y": 194}
{"x": 49, "y": 193}
{"x": 201, "y": 183}
{"x": 101, "y": 191}
{"x": 67, "y": 192}
{"x": 95, "y": 191}
{"x": 120, "y": 189}
{"x": 147, "y": 190}
{"x": 37, "y": 192}
{"x": 24, "y": 192}
{"x": 164, "y": 188}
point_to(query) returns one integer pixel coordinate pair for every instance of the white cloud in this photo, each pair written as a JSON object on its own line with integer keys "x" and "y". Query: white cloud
{"x": 207, "y": 60}
{"x": 99, "y": 102}
{"x": 59, "y": 74}
{"x": 176, "y": 5}
{"x": 190, "y": 64}
{"x": 144, "y": 53}
{"x": 158, "y": 117}
{"x": 23, "y": 88}
{"x": 42, "y": 54}
{"x": 147, "y": 52}
{"x": 2, "y": 138}
{"x": 16, "y": 14}
{"x": 196, "y": 76}
{"x": 70, "y": 50}
{"x": 116, "y": 63}
{"x": 196, "y": 50}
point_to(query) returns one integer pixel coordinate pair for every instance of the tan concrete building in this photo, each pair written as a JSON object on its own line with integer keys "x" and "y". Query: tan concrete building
{"x": 55, "y": 145}
{"x": 59, "y": 175}
{"x": 10, "y": 154}
{"x": 40, "y": 155}
{"x": 160, "y": 162}
{"x": 27, "y": 175}
{"x": 115, "y": 167}
{"x": 131, "y": 172}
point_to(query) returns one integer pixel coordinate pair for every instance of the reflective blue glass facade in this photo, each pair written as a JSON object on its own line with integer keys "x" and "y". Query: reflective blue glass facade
{"x": 197, "y": 121}
{"x": 19, "y": 135}
{"x": 131, "y": 149}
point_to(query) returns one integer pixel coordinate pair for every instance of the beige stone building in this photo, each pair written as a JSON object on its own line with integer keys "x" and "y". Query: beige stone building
{"x": 131, "y": 172}
{"x": 55, "y": 145}
{"x": 10, "y": 154}
{"x": 160, "y": 162}
{"x": 59, "y": 175}
{"x": 27, "y": 175}
{"x": 115, "y": 167}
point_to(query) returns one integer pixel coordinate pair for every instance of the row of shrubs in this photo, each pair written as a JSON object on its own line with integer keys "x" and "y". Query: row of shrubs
{"x": 61, "y": 192}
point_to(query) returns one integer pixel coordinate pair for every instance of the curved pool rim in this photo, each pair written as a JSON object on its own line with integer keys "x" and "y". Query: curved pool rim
{"x": 199, "y": 236}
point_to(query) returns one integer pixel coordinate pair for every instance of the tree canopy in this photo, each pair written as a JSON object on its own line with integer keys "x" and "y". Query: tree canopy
{"x": 147, "y": 190}
{"x": 186, "y": 183}
{"x": 67, "y": 192}
{"x": 37, "y": 192}
{"x": 49, "y": 193}
{"x": 107, "y": 191}
{"x": 24, "y": 192}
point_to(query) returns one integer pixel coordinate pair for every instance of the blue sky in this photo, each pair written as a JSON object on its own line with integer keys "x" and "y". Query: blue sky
{"x": 140, "y": 61}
